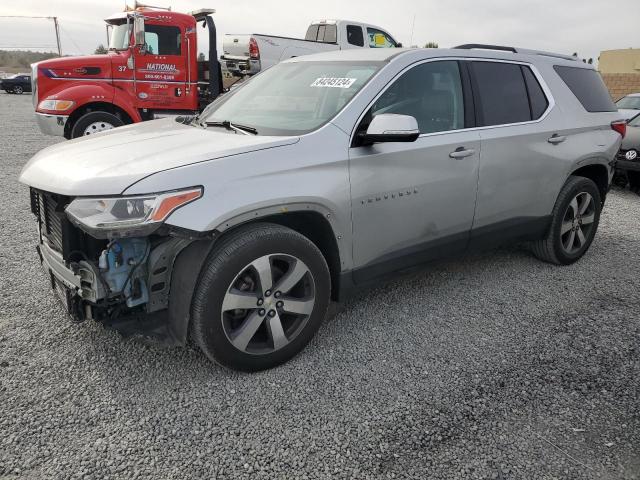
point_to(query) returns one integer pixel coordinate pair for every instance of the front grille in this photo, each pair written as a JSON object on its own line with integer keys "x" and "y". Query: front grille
{"x": 49, "y": 210}
{"x": 56, "y": 229}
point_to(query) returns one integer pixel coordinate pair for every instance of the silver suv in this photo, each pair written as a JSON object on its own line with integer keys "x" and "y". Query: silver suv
{"x": 321, "y": 175}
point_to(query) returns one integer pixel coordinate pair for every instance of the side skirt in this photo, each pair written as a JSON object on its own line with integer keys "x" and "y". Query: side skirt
{"x": 415, "y": 258}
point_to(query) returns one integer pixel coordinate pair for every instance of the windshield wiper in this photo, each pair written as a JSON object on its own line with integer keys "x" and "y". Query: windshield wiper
{"x": 245, "y": 130}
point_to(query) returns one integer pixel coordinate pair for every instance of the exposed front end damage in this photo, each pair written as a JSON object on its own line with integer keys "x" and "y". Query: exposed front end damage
{"x": 122, "y": 282}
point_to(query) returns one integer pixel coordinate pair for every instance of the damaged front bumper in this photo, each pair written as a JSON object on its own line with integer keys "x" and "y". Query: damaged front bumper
{"x": 81, "y": 295}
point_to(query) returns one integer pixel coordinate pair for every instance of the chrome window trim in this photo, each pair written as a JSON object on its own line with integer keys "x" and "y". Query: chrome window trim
{"x": 545, "y": 88}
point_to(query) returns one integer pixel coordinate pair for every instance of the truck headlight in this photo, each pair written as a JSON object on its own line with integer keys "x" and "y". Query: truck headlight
{"x": 132, "y": 216}
{"x": 56, "y": 105}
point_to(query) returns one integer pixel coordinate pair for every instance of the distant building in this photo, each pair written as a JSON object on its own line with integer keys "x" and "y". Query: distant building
{"x": 620, "y": 71}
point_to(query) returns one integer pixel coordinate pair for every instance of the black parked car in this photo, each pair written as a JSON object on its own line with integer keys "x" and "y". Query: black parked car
{"x": 628, "y": 158}
{"x": 16, "y": 84}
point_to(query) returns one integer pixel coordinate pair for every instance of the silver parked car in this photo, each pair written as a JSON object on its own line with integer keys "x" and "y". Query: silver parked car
{"x": 321, "y": 175}
{"x": 629, "y": 105}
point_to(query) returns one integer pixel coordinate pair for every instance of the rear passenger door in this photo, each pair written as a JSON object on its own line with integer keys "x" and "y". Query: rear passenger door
{"x": 412, "y": 202}
{"x": 520, "y": 166}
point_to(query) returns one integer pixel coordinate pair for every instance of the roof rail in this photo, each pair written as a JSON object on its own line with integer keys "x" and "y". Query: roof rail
{"x": 547, "y": 54}
{"x": 471, "y": 46}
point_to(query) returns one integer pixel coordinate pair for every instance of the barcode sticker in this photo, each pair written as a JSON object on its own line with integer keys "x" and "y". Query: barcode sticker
{"x": 333, "y": 82}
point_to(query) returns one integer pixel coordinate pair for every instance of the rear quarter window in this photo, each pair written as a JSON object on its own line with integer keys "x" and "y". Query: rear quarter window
{"x": 588, "y": 87}
{"x": 537, "y": 98}
{"x": 355, "y": 36}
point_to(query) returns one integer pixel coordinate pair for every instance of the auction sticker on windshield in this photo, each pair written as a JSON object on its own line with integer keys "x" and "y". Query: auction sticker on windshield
{"x": 333, "y": 82}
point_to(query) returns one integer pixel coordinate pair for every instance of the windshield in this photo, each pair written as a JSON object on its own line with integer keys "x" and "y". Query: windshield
{"x": 629, "y": 102}
{"x": 119, "y": 37}
{"x": 292, "y": 98}
{"x": 635, "y": 121}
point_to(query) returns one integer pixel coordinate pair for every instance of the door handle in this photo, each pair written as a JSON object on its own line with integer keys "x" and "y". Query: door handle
{"x": 462, "y": 152}
{"x": 556, "y": 139}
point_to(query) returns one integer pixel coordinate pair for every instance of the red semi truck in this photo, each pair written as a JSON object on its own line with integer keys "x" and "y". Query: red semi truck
{"x": 151, "y": 71}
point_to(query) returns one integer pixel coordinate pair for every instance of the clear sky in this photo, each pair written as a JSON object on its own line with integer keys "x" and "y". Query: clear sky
{"x": 564, "y": 26}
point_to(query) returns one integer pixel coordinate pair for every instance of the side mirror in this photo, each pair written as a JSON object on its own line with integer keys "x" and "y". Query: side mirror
{"x": 398, "y": 45}
{"x": 391, "y": 127}
{"x": 138, "y": 31}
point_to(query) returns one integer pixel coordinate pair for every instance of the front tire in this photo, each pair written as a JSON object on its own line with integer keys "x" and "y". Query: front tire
{"x": 18, "y": 90}
{"x": 574, "y": 223}
{"x": 95, "y": 122}
{"x": 262, "y": 295}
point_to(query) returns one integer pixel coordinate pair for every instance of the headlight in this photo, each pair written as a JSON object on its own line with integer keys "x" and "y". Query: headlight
{"x": 133, "y": 216}
{"x": 56, "y": 105}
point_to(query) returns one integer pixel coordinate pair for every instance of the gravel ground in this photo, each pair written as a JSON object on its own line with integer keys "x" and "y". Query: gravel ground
{"x": 497, "y": 366}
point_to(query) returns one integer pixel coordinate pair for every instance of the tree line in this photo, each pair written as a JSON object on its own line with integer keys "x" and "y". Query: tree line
{"x": 22, "y": 58}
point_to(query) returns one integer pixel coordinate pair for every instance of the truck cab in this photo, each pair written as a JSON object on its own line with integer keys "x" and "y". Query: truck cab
{"x": 350, "y": 34}
{"x": 248, "y": 54}
{"x": 150, "y": 71}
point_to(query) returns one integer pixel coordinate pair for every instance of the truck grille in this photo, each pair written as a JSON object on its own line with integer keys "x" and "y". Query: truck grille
{"x": 49, "y": 210}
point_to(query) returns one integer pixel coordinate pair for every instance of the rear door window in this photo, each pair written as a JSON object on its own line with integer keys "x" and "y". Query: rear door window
{"x": 355, "y": 36}
{"x": 588, "y": 87}
{"x": 501, "y": 93}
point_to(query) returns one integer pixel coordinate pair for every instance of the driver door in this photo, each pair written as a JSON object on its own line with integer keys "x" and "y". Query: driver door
{"x": 412, "y": 202}
{"x": 161, "y": 68}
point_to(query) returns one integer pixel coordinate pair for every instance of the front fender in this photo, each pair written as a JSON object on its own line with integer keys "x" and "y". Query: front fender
{"x": 309, "y": 175}
{"x": 80, "y": 93}
{"x": 87, "y": 93}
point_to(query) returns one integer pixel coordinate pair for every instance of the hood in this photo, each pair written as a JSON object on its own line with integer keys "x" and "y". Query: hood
{"x": 628, "y": 113}
{"x": 109, "y": 162}
{"x": 89, "y": 66}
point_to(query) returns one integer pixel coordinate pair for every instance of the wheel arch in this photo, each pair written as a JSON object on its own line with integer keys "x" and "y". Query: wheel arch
{"x": 95, "y": 107}
{"x": 190, "y": 260}
{"x": 311, "y": 220}
{"x": 597, "y": 172}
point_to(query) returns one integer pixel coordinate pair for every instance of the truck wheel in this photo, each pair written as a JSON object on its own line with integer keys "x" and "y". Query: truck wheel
{"x": 574, "y": 223}
{"x": 262, "y": 295}
{"x": 94, "y": 122}
{"x": 18, "y": 90}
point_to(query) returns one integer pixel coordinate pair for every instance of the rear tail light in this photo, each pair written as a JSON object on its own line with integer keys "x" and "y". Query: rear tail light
{"x": 620, "y": 126}
{"x": 254, "y": 51}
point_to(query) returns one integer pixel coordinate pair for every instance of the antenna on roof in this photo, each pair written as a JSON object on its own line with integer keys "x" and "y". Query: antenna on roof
{"x": 413, "y": 24}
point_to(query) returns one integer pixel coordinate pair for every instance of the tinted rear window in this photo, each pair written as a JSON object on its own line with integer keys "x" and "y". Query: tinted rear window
{"x": 502, "y": 93}
{"x": 537, "y": 98}
{"x": 588, "y": 87}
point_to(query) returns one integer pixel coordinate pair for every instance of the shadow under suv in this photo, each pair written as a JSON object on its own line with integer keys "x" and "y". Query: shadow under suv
{"x": 321, "y": 175}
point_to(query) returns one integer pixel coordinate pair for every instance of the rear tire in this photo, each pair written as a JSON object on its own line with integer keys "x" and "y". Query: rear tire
{"x": 95, "y": 122}
{"x": 262, "y": 295}
{"x": 574, "y": 223}
{"x": 18, "y": 90}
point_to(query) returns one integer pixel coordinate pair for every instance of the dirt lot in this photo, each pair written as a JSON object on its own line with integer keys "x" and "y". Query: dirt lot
{"x": 495, "y": 366}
